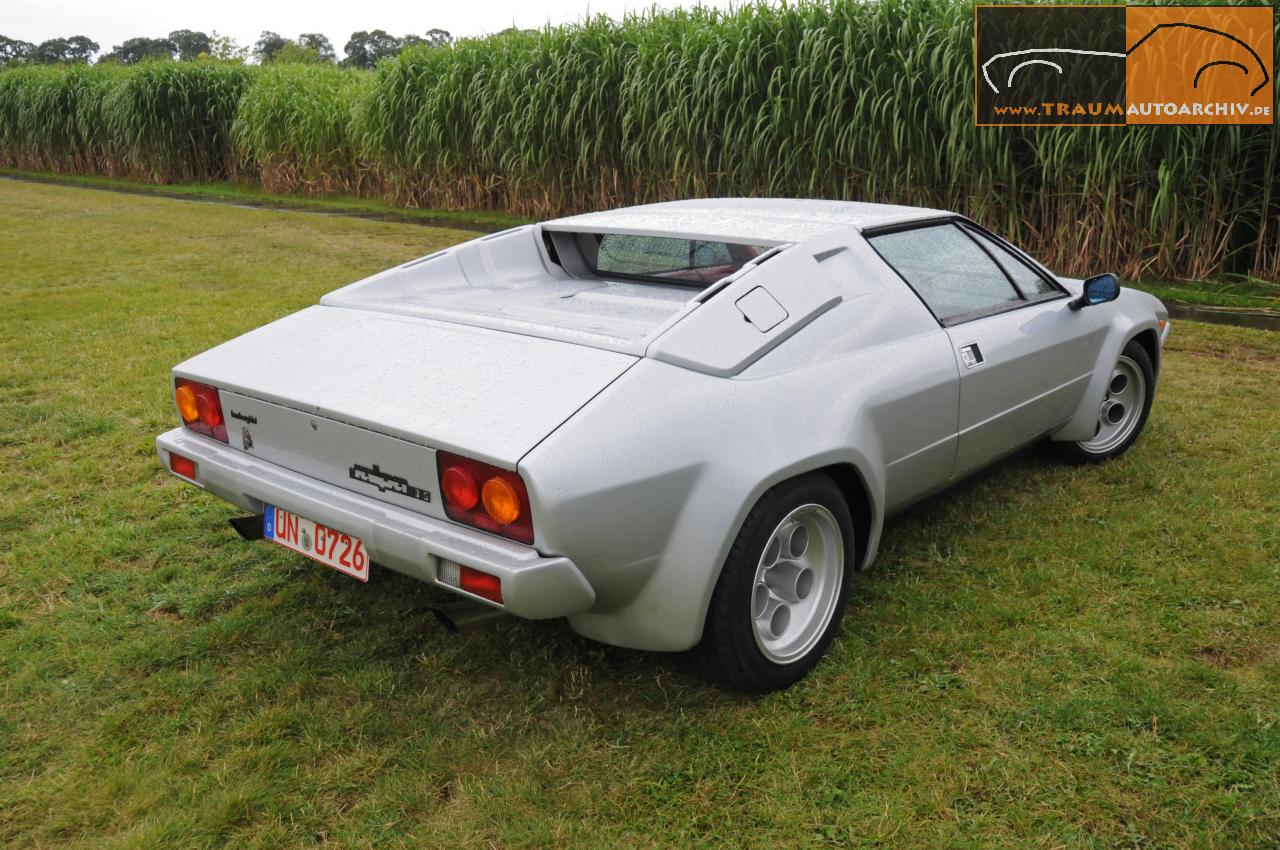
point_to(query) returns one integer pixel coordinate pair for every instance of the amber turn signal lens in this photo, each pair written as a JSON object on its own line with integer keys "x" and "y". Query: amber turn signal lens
{"x": 501, "y": 501}
{"x": 186, "y": 398}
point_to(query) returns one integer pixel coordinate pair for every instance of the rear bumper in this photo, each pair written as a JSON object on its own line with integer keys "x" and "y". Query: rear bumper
{"x": 533, "y": 586}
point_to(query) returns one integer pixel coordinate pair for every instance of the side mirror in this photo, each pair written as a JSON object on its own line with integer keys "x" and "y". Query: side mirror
{"x": 1098, "y": 289}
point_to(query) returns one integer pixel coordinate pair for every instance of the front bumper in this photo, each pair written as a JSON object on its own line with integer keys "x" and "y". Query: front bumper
{"x": 533, "y": 586}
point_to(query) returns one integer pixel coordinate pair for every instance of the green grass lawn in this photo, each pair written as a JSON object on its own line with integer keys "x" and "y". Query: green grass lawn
{"x": 1236, "y": 294}
{"x": 252, "y": 195}
{"x": 1045, "y": 657}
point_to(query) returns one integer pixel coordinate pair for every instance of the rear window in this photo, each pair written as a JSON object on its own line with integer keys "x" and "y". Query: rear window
{"x": 663, "y": 258}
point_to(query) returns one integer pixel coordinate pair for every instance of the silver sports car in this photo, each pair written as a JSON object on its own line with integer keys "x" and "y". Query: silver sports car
{"x": 680, "y": 426}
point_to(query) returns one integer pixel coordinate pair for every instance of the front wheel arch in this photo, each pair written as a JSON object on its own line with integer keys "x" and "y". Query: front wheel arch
{"x": 1114, "y": 436}
{"x": 1151, "y": 343}
{"x": 1119, "y": 334}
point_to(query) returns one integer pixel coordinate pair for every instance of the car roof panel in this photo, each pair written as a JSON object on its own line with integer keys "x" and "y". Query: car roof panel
{"x": 761, "y": 221}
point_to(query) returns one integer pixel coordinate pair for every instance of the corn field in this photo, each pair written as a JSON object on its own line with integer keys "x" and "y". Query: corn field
{"x": 842, "y": 99}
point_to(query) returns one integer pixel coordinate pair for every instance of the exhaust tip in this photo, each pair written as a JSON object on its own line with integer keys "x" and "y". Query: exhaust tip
{"x": 248, "y": 527}
{"x": 445, "y": 620}
{"x": 462, "y": 617}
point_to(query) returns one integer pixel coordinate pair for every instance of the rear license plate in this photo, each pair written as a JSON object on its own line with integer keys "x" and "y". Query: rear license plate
{"x": 333, "y": 548}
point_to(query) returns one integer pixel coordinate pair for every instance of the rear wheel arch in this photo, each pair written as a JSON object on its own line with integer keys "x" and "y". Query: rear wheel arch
{"x": 732, "y": 649}
{"x": 853, "y": 486}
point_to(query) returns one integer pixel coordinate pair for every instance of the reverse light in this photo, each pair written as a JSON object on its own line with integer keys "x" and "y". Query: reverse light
{"x": 184, "y": 466}
{"x": 473, "y": 581}
{"x": 200, "y": 408}
{"x": 484, "y": 496}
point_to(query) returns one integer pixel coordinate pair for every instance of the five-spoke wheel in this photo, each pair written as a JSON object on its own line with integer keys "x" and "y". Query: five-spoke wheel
{"x": 1126, "y": 401}
{"x": 1122, "y": 407}
{"x": 797, "y": 583}
{"x": 778, "y": 602}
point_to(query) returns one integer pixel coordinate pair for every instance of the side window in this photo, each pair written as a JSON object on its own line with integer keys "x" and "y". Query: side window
{"x": 947, "y": 269}
{"x": 1026, "y": 278}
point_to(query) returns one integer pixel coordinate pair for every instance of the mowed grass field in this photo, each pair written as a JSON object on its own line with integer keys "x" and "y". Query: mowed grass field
{"x": 1043, "y": 657}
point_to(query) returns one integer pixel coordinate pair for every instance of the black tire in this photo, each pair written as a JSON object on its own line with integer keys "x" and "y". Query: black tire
{"x": 1089, "y": 451}
{"x": 728, "y": 653}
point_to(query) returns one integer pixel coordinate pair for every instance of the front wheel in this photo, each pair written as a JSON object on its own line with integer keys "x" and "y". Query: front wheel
{"x": 1124, "y": 410}
{"x": 781, "y": 595}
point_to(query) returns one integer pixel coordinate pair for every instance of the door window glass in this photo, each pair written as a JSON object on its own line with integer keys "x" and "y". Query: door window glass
{"x": 947, "y": 270}
{"x": 1026, "y": 278}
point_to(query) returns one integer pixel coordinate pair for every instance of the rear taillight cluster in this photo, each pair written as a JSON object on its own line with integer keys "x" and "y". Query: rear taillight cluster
{"x": 485, "y": 497}
{"x": 200, "y": 408}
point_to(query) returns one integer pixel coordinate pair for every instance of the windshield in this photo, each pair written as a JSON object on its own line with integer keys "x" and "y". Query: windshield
{"x": 664, "y": 258}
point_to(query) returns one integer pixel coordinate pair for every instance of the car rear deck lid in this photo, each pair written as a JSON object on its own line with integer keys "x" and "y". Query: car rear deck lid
{"x": 488, "y": 394}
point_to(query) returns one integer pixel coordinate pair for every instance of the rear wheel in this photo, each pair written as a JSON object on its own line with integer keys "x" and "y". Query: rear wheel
{"x": 1123, "y": 412}
{"x": 781, "y": 595}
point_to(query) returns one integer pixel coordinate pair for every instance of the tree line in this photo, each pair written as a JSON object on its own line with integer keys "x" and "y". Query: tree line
{"x": 365, "y": 48}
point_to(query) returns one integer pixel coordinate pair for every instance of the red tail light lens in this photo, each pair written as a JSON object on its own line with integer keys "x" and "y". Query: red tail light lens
{"x": 481, "y": 584}
{"x": 210, "y": 407}
{"x": 184, "y": 466}
{"x": 485, "y": 497}
{"x": 200, "y": 408}
{"x": 459, "y": 488}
